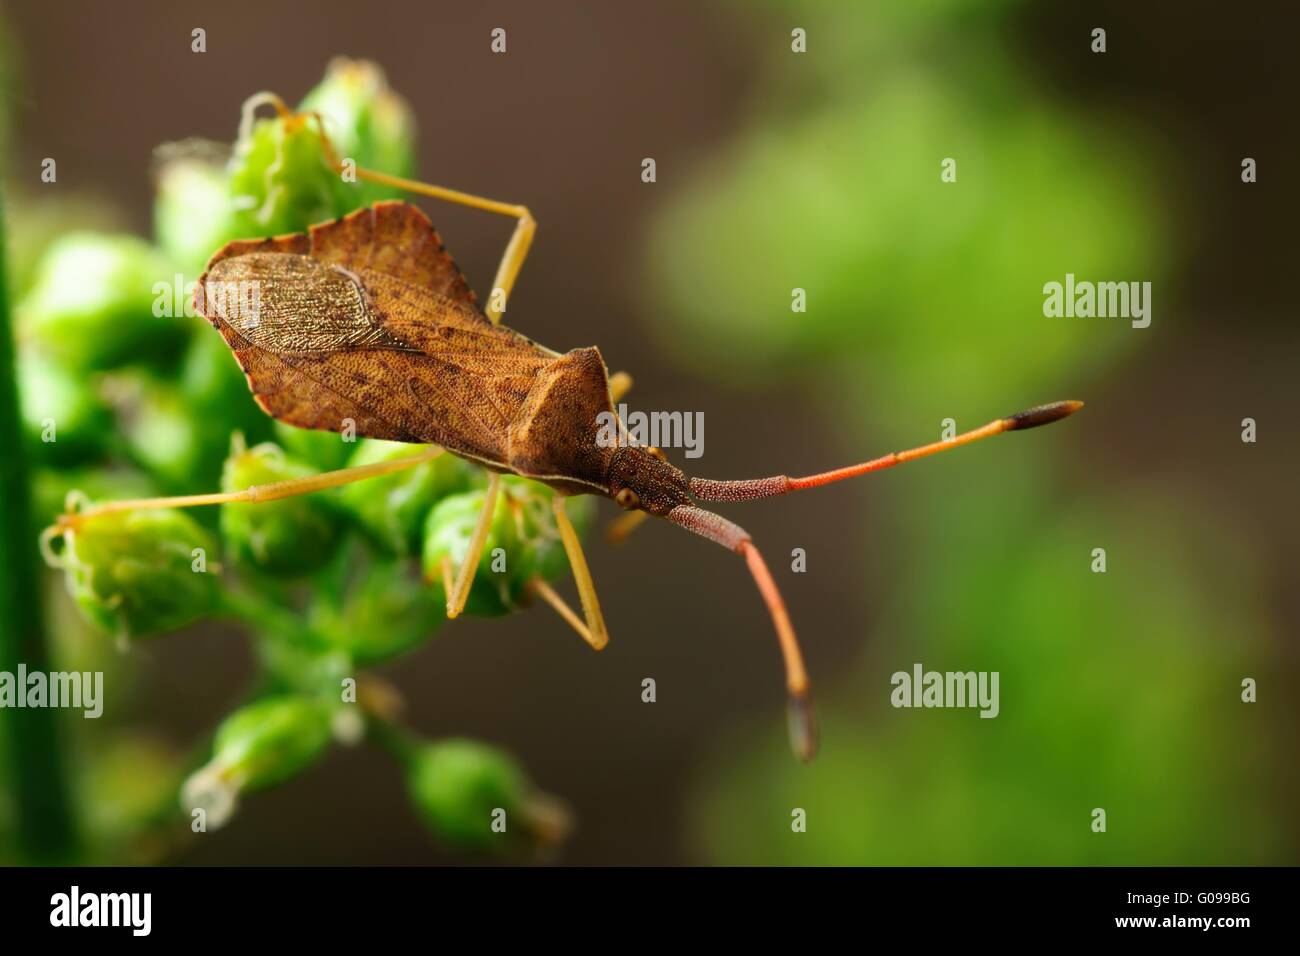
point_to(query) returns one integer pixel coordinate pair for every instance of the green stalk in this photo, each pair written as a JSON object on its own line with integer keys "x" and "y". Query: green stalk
{"x": 37, "y": 774}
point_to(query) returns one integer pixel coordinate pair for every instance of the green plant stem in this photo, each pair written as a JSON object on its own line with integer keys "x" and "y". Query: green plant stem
{"x": 262, "y": 615}
{"x": 43, "y": 804}
{"x": 401, "y": 743}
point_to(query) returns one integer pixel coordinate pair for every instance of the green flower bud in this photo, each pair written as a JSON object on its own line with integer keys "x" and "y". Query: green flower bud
{"x": 392, "y": 508}
{"x": 368, "y": 123}
{"x": 138, "y": 573}
{"x": 64, "y": 420}
{"x": 321, "y": 449}
{"x": 258, "y": 746}
{"x": 290, "y": 536}
{"x": 279, "y": 181}
{"x": 94, "y": 304}
{"x": 523, "y": 537}
{"x": 387, "y": 613}
{"x": 447, "y": 533}
{"x": 466, "y": 792}
{"x": 544, "y": 552}
{"x": 193, "y": 214}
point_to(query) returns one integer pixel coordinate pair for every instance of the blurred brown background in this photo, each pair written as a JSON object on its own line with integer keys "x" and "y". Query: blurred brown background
{"x": 561, "y": 122}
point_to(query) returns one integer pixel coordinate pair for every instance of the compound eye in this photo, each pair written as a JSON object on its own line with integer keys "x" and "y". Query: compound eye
{"x": 627, "y": 499}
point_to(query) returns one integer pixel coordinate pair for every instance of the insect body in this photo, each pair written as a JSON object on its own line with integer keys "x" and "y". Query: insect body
{"x": 366, "y": 322}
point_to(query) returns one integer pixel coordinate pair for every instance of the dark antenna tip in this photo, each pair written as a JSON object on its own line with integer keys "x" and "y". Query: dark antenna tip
{"x": 1041, "y": 415}
{"x": 802, "y": 721}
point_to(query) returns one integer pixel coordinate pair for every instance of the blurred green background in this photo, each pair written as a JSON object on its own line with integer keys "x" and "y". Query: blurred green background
{"x": 777, "y": 170}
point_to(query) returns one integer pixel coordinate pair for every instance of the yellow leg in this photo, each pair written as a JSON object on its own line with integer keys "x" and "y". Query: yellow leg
{"x": 512, "y": 260}
{"x": 257, "y": 493}
{"x": 618, "y": 530}
{"x": 561, "y": 606}
{"x": 620, "y": 383}
{"x": 448, "y": 576}
{"x": 597, "y": 635}
{"x": 459, "y": 594}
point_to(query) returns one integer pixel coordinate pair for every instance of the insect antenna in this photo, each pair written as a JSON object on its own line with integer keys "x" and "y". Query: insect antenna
{"x": 802, "y": 719}
{"x": 707, "y": 489}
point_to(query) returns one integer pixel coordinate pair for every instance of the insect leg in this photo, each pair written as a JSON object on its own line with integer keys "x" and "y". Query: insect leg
{"x": 617, "y": 531}
{"x": 459, "y": 594}
{"x": 550, "y": 596}
{"x": 802, "y": 721}
{"x": 256, "y": 494}
{"x": 448, "y": 576}
{"x": 512, "y": 260}
{"x": 599, "y": 635}
{"x": 620, "y": 383}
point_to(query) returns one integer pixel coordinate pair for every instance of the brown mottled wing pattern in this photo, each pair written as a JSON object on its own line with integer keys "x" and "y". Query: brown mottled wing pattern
{"x": 395, "y": 239}
{"x": 369, "y": 319}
